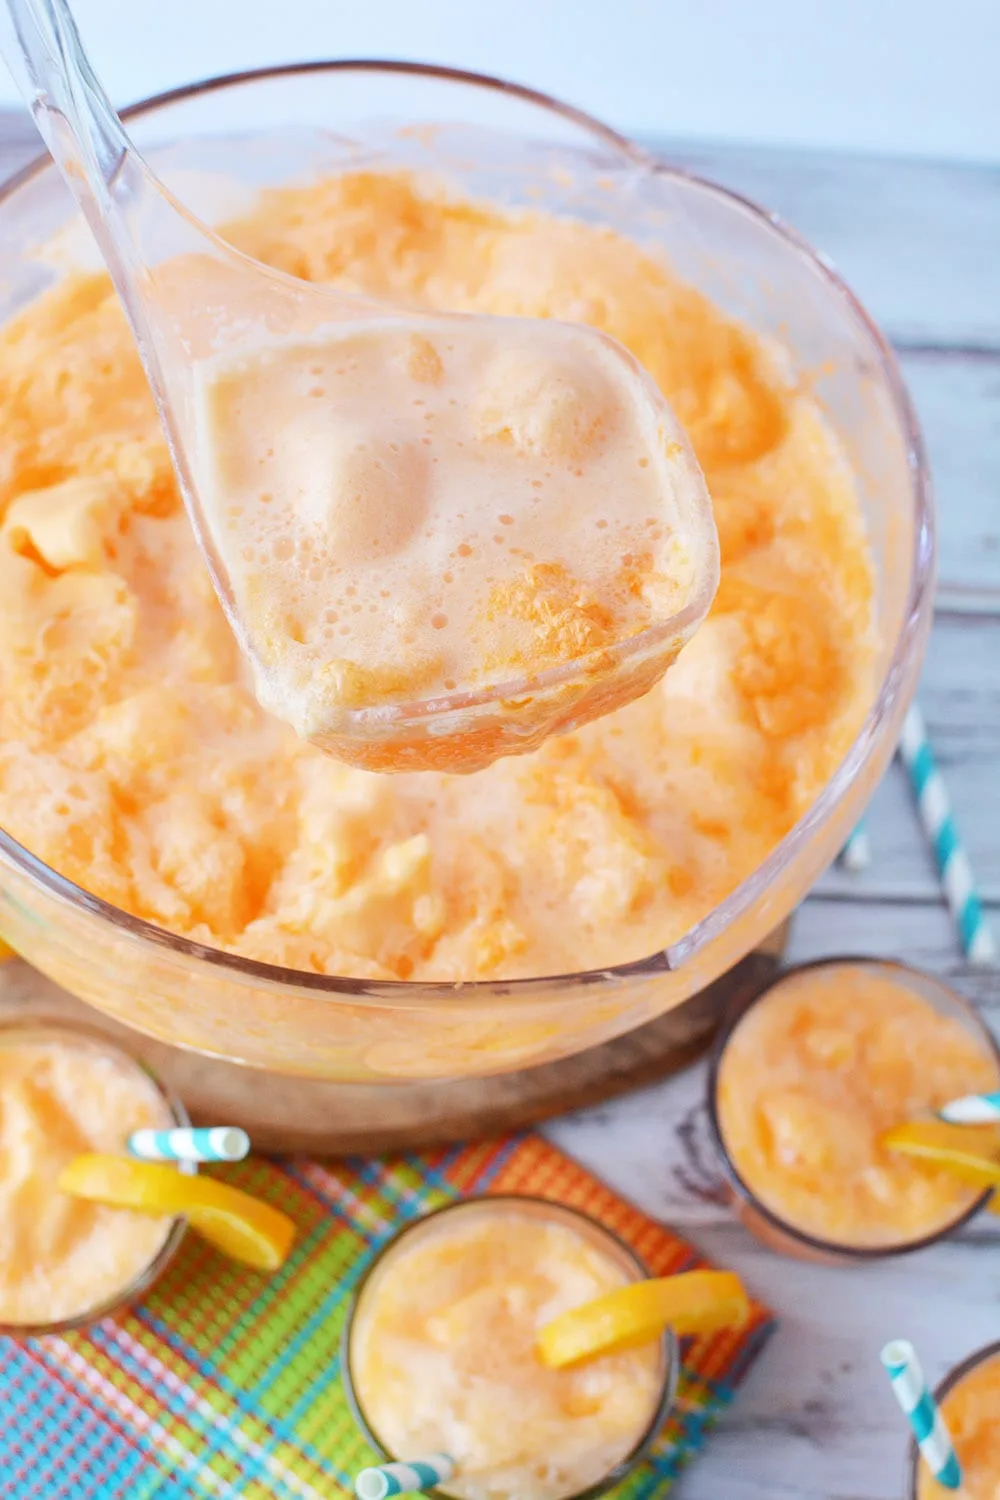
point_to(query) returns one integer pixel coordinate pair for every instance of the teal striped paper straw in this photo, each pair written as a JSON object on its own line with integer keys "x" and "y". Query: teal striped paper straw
{"x": 939, "y": 825}
{"x": 973, "y": 1109}
{"x": 913, "y": 1395}
{"x": 856, "y": 854}
{"x": 403, "y": 1478}
{"x": 207, "y": 1143}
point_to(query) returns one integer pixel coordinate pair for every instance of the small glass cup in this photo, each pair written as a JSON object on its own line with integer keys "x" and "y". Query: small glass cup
{"x": 954, "y": 1378}
{"x": 556, "y": 1213}
{"x": 19, "y": 1028}
{"x": 766, "y": 1225}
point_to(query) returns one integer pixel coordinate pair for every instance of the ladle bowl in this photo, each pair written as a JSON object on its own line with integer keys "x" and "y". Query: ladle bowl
{"x": 195, "y": 303}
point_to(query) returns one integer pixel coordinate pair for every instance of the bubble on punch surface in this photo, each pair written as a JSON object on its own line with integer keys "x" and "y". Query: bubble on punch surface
{"x": 366, "y": 494}
{"x": 543, "y": 405}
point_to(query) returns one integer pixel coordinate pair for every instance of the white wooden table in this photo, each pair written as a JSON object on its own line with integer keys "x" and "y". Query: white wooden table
{"x": 921, "y": 245}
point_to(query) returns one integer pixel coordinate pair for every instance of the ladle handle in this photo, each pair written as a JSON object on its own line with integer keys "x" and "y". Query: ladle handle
{"x": 42, "y": 48}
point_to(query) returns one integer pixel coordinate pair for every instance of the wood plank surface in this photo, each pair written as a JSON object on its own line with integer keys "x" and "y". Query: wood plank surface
{"x": 919, "y": 241}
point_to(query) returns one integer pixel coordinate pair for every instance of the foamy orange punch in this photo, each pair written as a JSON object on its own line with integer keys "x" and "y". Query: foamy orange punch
{"x": 134, "y": 750}
{"x": 810, "y": 1084}
{"x": 65, "y": 1091}
{"x": 445, "y": 537}
{"x": 440, "y": 1353}
{"x": 970, "y": 1404}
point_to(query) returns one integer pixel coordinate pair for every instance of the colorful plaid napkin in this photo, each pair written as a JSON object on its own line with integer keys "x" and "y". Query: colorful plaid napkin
{"x": 225, "y": 1383}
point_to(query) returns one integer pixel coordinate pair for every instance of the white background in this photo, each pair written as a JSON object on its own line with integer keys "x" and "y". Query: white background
{"x": 916, "y": 76}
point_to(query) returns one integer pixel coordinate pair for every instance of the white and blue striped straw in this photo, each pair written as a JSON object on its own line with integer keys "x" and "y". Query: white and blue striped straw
{"x": 913, "y": 1395}
{"x": 952, "y": 860}
{"x": 204, "y": 1143}
{"x": 973, "y": 1109}
{"x": 856, "y": 854}
{"x": 404, "y": 1478}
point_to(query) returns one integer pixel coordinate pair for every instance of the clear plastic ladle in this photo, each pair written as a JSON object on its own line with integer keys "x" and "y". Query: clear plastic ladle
{"x": 190, "y": 299}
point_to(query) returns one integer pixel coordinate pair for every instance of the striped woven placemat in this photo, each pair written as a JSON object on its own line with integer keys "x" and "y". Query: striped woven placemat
{"x": 225, "y": 1383}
